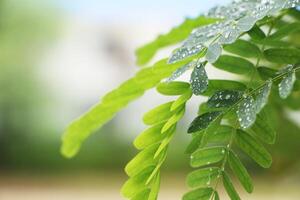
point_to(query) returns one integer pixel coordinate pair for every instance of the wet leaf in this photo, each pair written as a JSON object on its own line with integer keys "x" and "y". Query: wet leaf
{"x": 207, "y": 156}
{"x": 199, "y": 79}
{"x": 246, "y": 112}
{"x": 203, "y": 121}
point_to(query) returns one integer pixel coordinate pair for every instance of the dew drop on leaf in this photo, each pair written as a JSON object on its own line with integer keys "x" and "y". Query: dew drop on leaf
{"x": 246, "y": 112}
{"x": 263, "y": 95}
{"x": 214, "y": 51}
{"x": 287, "y": 83}
{"x": 181, "y": 71}
{"x": 199, "y": 79}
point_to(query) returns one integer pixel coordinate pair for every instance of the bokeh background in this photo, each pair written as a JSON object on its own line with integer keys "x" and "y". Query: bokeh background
{"x": 57, "y": 58}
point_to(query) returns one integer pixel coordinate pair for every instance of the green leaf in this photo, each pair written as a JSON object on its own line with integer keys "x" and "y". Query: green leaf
{"x": 219, "y": 85}
{"x": 155, "y": 188}
{"x": 143, "y": 195}
{"x": 203, "y": 121}
{"x": 173, "y": 120}
{"x": 282, "y": 55}
{"x": 199, "y": 194}
{"x": 214, "y": 51}
{"x": 181, "y": 100}
{"x": 145, "y": 53}
{"x": 173, "y": 88}
{"x": 150, "y": 136}
{"x": 194, "y": 144}
{"x": 224, "y": 99}
{"x": 79, "y": 130}
{"x": 266, "y": 73}
{"x": 158, "y": 114}
{"x": 256, "y": 33}
{"x": 142, "y": 160}
{"x": 246, "y": 112}
{"x": 165, "y": 142}
{"x": 244, "y": 48}
{"x": 207, "y": 156}
{"x": 216, "y": 196}
{"x": 221, "y": 134}
{"x": 263, "y": 130}
{"x": 203, "y": 177}
{"x": 285, "y": 31}
{"x": 232, "y": 193}
{"x": 199, "y": 79}
{"x": 234, "y": 64}
{"x": 136, "y": 184}
{"x": 263, "y": 96}
{"x": 286, "y": 85}
{"x": 253, "y": 148}
{"x": 180, "y": 71}
{"x": 240, "y": 171}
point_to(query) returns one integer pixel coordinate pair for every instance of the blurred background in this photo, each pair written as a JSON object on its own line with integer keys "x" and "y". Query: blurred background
{"x": 57, "y": 58}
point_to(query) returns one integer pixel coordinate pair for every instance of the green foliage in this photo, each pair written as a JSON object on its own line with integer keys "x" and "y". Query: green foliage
{"x": 258, "y": 47}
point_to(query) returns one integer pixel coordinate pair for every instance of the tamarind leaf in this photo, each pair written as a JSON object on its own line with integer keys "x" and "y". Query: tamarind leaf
{"x": 199, "y": 194}
{"x": 285, "y": 31}
{"x": 136, "y": 184}
{"x": 203, "y": 121}
{"x": 173, "y": 120}
{"x": 194, "y": 144}
{"x": 202, "y": 177}
{"x": 236, "y": 65}
{"x": 199, "y": 79}
{"x": 219, "y": 85}
{"x": 181, "y": 71}
{"x": 240, "y": 171}
{"x": 246, "y": 112}
{"x": 158, "y": 114}
{"x": 253, "y": 148}
{"x": 232, "y": 193}
{"x": 155, "y": 188}
{"x": 282, "y": 55}
{"x": 207, "y": 156}
{"x": 150, "y": 136}
{"x": 173, "y": 88}
{"x": 224, "y": 99}
{"x": 214, "y": 51}
{"x": 142, "y": 160}
{"x": 143, "y": 195}
{"x": 256, "y": 33}
{"x": 263, "y": 130}
{"x": 286, "y": 85}
{"x": 263, "y": 96}
{"x": 243, "y": 48}
{"x": 266, "y": 73}
{"x": 181, "y": 100}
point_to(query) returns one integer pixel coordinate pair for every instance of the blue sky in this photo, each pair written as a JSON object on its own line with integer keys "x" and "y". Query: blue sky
{"x": 138, "y": 8}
